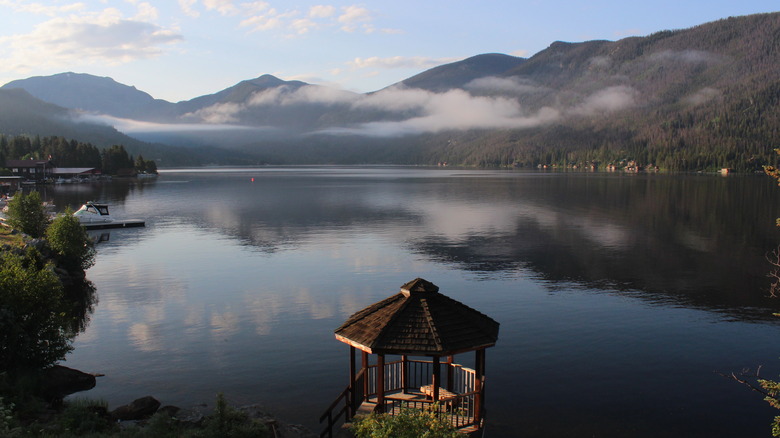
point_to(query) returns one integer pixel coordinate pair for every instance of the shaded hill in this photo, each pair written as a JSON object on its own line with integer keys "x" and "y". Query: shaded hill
{"x": 691, "y": 99}
{"x": 459, "y": 74}
{"x": 90, "y": 93}
{"x": 23, "y": 114}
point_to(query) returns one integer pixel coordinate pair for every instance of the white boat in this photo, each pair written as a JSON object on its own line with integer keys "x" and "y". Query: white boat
{"x": 96, "y": 216}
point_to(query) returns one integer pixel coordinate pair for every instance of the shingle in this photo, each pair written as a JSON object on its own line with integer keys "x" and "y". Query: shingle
{"x": 419, "y": 321}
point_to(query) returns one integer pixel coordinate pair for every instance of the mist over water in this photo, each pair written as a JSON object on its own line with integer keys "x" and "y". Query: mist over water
{"x": 618, "y": 295}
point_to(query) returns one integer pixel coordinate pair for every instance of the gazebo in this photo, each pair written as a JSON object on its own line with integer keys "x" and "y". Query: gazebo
{"x": 422, "y": 323}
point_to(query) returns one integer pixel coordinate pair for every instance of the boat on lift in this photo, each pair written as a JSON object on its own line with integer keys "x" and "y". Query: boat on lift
{"x": 95, "y": 216}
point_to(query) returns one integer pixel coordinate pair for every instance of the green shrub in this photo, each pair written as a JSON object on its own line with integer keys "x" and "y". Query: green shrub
{"x": 83, "y": 417}
{"x": 6, "y": 417}
{"x": 33, "y": 319}
{"x": 70, "y": 242}
{"x": 26, "y": 213}
{"x": 229, "y": 422}
{"x": 409, "y": 423}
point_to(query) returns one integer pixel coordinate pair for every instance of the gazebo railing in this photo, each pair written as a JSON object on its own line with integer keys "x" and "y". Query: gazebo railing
{"x": 345, "y": 405}
{"x": 459, "y": 410}
{"x": 419, "y": 373}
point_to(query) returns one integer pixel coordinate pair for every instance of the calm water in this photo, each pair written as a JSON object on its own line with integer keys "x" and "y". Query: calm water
{"x": 619, "y": 296}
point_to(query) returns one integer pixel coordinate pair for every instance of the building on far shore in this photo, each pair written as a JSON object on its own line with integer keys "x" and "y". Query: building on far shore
{"x": 75, "y": 174}
{"x": 9, "y": 185}
{"x": 31, "y": 170}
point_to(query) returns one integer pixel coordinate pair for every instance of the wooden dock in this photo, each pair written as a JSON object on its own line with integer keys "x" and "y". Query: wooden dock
{"x": 129, "y": 223}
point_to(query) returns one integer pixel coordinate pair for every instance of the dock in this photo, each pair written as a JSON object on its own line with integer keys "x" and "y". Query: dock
{"x": 129, "y": 223}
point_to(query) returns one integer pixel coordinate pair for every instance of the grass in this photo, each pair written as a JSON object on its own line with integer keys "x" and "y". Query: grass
{"x": 9, "y": 237}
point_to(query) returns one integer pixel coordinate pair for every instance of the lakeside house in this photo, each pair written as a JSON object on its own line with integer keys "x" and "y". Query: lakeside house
{"x": 31, "y": 170}
{"x": 40, "y": 171}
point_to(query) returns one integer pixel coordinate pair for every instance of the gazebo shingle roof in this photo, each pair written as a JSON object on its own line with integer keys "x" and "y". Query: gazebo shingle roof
{"x": 418, "y": 321}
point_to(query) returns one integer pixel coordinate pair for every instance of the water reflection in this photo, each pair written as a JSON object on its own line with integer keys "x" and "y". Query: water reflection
{"x": 236, "y": 287}
{"x": 81, "y": 296}
{"x": 694, "y": 240}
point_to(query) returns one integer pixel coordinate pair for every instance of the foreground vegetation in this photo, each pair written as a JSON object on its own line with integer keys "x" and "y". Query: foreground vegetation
{"x": 409, "y": 423}
{"x": 44, "y": 298}
{"x": 80, "y": 418}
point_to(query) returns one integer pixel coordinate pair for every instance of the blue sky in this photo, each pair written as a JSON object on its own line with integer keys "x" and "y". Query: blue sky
{"x": 178, "y": 50}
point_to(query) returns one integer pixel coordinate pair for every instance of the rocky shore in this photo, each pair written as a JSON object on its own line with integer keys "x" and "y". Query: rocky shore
{"x": 58, "y": 382}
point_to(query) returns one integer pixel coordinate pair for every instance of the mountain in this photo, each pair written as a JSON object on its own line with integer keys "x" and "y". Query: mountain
{"x": 90, "y": 93}
{"x": 460, "y": 74}
{"x": 23, "y": 114}
{"x": 689, "y": 99}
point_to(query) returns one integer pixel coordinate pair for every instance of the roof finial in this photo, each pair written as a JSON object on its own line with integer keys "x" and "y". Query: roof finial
{"x": 418, "y": 286}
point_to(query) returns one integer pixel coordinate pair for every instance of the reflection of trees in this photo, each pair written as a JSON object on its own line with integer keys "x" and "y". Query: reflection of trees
{"x": 81, "y": 298}
{"x": 685, "y": 240}
{"x": 114, "y": 192}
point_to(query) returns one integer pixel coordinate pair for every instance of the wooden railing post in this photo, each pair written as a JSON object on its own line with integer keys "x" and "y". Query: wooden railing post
{"x": 450, "y": 379}
{"x": 364, "y": 359}
{"x": 436, "y": 381}
{"x": 404, "y": 373}
{"x": 478, "y": 385}
{"x": 352, "y": 390}
{"x": 380, "y": 382}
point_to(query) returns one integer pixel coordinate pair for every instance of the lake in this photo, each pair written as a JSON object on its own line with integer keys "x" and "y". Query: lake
{"x": 620, "y": 297}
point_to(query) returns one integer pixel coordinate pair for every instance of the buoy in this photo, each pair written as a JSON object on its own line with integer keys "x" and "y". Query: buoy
{"x": 253, "y": 180}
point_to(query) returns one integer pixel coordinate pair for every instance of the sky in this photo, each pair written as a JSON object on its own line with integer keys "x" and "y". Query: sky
{"x": 181, "y": 49}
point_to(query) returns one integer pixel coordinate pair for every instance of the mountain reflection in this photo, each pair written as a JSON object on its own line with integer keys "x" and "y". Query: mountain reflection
{"x": 699, "y": 241}
{"x": 694, "y": 240}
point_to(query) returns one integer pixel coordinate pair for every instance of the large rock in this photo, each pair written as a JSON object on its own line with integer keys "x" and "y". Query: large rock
{"x": 139, "y": 409}
{"x": 59, "y": 381}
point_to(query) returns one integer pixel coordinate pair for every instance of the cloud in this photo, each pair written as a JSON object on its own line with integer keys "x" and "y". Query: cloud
{"x": 187, "y": 7}
{"x": 399, "y": 62}
{"x": 437, "y": 112}
{"x": 702, "y": 96}
{"x": 146, "y": 12}
{"x": 608, "y": 100}
{"x": 229, "y": 112}
{"x": 41, "y": 9}
{"x": 522, "y": 53}
{"x": 104, "y": 37}
{"x": 355, "y": 17}
{"x": 224, "y": 7}
{"x": 304, "y": 95}
{"x": 687, "y": 56}
{"x": 421, "y": 111}
{"x": 130, "y": 126}
{"x": 262, "y": 22}
{"x": 322, "y": 11}
{"x": 510, "y": 85}
{"x": 600, "y": 62}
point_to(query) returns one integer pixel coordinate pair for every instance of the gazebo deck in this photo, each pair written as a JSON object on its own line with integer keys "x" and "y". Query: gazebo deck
{"x": 461, "y": 419}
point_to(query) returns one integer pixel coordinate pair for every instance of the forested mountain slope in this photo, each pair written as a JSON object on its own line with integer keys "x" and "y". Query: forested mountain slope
{"x": 691, "y": 99}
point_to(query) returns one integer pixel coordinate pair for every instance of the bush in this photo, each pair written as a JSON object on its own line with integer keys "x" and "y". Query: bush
{"x": 230, "y": 423}
{"x": 409, "y": 423}
{"x": 6, "y": 419}
{"x": 82, "y": 416}
{"x": 33, "y": 321}
{"x": 26, "y": 213}
{"x": 70, "y": 242}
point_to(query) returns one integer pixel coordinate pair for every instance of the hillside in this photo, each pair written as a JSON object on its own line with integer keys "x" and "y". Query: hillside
{"x": 23, "y": 114}
{"x": 690, "y": 99}
{"x": 460, "y": 74}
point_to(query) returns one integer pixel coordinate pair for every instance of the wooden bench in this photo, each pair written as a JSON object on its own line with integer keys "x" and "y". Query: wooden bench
{"x": 443, "y": 393}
